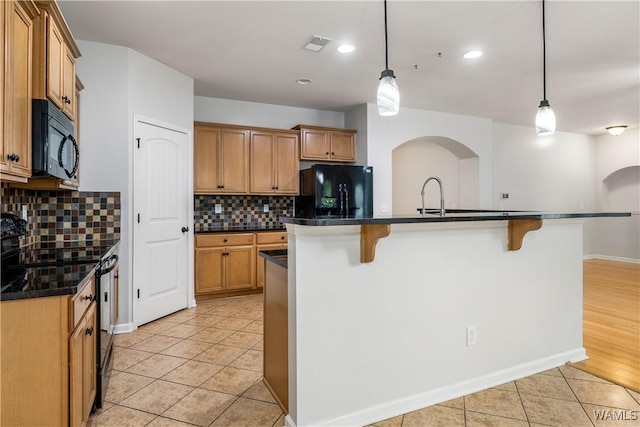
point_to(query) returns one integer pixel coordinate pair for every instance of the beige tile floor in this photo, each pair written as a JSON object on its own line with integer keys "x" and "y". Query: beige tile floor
{"x": 203, "y": 367}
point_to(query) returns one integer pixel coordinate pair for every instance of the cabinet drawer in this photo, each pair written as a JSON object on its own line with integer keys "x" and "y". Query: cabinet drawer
{"x": 82, "y": 300}
{"x": 224, "y": 239}
{"x": 267, "y": 238}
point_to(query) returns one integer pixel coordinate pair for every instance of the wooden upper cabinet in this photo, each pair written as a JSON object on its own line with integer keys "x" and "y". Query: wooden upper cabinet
{"x": 274, "y": 162}
{"x": 55, "y": 52}
{"x": 221, "y": 160}
{"x": 328, "y": 144}
{"x": 17, "y": 35}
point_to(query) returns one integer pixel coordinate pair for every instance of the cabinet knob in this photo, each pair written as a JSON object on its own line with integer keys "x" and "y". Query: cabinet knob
{"x": 89, "y": 331}
{"x": 281, "y": 237}
{"x": 327, "y": 153}
{"x": 13, "y": 157}
{"x": 332, "y": 153}
{"x": 66, "y": 99}
{"x": 88, "y": 297}
{"x": 225, "y": 240}
{"x": 185, "y": 229}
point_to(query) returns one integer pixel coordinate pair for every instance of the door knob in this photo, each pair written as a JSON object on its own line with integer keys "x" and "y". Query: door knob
{"x": 185, "y": 229}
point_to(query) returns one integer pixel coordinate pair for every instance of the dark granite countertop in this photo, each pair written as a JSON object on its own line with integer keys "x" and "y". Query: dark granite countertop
{"x": 80, "y": 258}
{"x": 449, "y": 217}
{"x": 241, "y": 229}
{"x": 277, "y": 256}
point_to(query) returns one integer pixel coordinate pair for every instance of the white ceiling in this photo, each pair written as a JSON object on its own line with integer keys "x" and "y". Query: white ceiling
{"x": 253, "y": 51}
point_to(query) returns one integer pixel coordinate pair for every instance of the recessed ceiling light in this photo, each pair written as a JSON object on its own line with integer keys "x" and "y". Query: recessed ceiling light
{"x": 303, "y": 81}
{"x": 472, "y": 54}
{"x": 346, "y": 48}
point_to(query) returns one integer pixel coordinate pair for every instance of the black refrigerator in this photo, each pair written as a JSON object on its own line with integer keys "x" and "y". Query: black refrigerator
{"x": 335, "y": 191}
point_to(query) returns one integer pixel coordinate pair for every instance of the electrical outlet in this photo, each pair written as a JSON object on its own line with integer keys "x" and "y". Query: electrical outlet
{"x": 217, "y": 208}
{"x": 504, "y": 195}
{"x": 265, "y": 208}
{"x": 472, "y": 335}
{"x": 384, "y": 207}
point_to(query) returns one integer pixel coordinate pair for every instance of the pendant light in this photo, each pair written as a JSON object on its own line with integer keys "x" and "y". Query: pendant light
{"x": 388, "y": 94}
{"x": 545, "y": 118}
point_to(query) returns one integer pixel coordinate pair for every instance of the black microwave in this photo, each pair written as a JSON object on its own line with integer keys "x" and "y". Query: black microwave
{"x": 54, "y": 149}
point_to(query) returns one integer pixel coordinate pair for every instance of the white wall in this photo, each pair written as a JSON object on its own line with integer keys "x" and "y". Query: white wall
{"x": 549, "y": 173}
{"x": 386, "y": 133}
{"x": 119, "y": 83}
{"x": 617, "y": 187}
{"x": 243, "y": 113}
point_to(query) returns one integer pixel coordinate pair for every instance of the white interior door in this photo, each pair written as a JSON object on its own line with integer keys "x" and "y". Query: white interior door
{"x": 161, "y": 208}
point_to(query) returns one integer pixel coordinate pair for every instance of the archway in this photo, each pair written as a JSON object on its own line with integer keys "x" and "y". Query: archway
{"x": 416, "y": 160}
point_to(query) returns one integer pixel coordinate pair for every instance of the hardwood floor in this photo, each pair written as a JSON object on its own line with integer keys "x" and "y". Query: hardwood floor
{"x": 612, "y": 321}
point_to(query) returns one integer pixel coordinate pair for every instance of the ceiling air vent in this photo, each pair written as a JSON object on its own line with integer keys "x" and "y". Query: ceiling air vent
{"x": 317, "y": 43}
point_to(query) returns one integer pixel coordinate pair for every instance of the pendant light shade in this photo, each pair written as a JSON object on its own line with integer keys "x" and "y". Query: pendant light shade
{"x": 545, "y": 118}
{"x": 388, "y": 94}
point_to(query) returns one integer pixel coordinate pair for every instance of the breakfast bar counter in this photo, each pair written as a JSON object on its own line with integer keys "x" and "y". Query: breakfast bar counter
{"x": 389, "y": 315}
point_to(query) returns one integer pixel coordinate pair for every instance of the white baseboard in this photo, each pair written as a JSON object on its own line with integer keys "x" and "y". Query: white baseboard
{"x": 432, "y": 397}
{"x": 124, "y": 328}
{"x": 612, "y": 258}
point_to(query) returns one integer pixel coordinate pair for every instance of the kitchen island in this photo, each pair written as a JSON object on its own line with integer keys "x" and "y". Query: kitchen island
{"x": 389, "y": 315}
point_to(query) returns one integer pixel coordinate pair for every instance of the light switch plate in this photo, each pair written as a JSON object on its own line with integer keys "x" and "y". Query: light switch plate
{"x": 217, "y": 208}
{"x": 265, "y": 207}
{"x": 23, "y": 213}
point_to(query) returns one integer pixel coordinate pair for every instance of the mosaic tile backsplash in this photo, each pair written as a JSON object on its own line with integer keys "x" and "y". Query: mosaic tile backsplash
{"x": 240, "y": 212}
{"x": 70, "y": 215}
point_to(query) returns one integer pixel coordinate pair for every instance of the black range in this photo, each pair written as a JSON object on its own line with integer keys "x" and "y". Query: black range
{"x": 50, "y": 268}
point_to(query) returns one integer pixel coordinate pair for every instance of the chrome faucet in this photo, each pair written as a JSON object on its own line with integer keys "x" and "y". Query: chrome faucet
{"x": 441, "y": 194}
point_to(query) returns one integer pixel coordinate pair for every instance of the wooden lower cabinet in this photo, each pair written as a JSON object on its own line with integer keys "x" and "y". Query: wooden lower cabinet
{"x": 265, "y": 242}
{"x": 224, "y": 263}
{"x": 48, "y": 353}
{"x": 82, "y": 368}
{"x": 227, "y": 264}
{"x": 276, "y": 335}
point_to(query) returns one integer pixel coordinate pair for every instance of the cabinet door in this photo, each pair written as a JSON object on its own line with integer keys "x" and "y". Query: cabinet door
{"x": 76, "y": 374}
{"x": 89, "y": 361}
{"x": 314, "y": 144}
{"x": 233, "y": 162}
{"x": 55, "y": 53}
{"x": 262, "y": 162}
{"x": 240, "y": 264}
{"x": 205, "y": 157}
{"x": 18, "y": 91}
{"x": 208, "y": 267}
{"x": 287, "y": 165}
{"x": 68, "y": 84}
{"x": 343, "y": 146}
{"x": 260, "y": 262}
{"x": 3, "y": 29}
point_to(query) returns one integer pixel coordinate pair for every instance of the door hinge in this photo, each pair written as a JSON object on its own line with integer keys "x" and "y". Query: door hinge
{"x": 138, "y": 293}
{"x": 138, "y": 139}
{"x": 138, "y": 218}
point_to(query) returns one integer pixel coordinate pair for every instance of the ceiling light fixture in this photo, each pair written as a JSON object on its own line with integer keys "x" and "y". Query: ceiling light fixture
{"x": 472, "y": 54}
{"x": 545, "y": 117}
{"x": 303, "y": 81}
{"x": 616, "y": 130}
{"x": 388, "y": 93}
{"x": 346, "y": 48}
